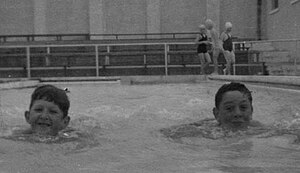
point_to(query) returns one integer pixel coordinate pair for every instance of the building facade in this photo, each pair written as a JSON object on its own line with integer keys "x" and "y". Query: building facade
{"x": 256, "y": 19}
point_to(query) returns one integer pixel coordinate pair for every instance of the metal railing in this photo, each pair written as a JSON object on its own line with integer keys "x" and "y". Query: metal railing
{"x": 88, "y": 37}
{"x": 77, "y": 36}
{"x": 282, "y": 57}
{"x": 104, "y": 50}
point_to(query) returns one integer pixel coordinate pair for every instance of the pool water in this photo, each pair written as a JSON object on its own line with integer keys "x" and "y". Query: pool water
{"x": 117, "y": 128}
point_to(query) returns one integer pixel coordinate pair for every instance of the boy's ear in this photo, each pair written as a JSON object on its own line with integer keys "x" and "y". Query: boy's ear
{"x": 252, "y": 111}
{"x": 216, "y": 113}
{"x": 26, "y": 114}
{"x": 66, "y": 121}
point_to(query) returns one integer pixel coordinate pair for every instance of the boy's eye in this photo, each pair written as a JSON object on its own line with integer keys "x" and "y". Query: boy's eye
{"x": 229, "y": 108}
{"x": 243, "y": 107}
{"x": 53, "y": 111}
{"x": 38, "y": 109}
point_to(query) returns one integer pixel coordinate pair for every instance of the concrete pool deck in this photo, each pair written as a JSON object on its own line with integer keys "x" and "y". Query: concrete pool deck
{"x": 281, "y": 81}
{"x": 288, "y": 81}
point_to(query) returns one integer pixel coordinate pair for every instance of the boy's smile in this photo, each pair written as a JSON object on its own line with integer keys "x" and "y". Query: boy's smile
{"x": 235, "y": 110}
{"x": 46, "y": 118}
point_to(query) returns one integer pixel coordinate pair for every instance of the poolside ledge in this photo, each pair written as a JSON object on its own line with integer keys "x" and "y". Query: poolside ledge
{"x": 274, "y": 80}
{"x": 18, "y": 83}
{"x": 134, "y": 80}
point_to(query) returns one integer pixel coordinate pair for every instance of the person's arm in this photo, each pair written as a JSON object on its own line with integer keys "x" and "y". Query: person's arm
{"x": 214, "y": 37}
{"x": 223, "y": 37}
{"x": 199, "y": 37}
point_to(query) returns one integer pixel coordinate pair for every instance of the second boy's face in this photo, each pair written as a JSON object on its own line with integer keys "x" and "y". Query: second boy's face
{"x": 46, "y": 118}
{"x": 235, "y": 110}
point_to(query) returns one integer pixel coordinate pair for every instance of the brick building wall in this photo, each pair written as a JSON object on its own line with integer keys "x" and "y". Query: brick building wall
{"x": 243, "y": 16}
{"x": 283, "y": 22}
{"x": 13, "y": 15}
{"x": 149, "y": 16}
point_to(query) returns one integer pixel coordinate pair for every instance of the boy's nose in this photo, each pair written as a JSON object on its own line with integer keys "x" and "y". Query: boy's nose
{"x": 45, "y": 115}
{"x": 237, "y": 113}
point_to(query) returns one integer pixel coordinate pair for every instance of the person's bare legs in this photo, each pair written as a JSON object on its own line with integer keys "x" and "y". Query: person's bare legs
{"x": 202, "y": 61}
{"x": 208, "y": 61}
{"x": 230, "y": 60}
{"x": 216, "y": 52}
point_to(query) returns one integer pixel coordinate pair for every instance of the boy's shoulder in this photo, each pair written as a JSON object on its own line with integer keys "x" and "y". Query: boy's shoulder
{"x": 255, "y": 123}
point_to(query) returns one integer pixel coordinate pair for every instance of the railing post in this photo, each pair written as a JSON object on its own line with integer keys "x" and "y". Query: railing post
{"x": 296, "y": 56}
{"x": 28, "y": 61}
{"x": 97, "y": 60}
{"x": 234, "y": 69}
{"x": 166, "y": 59}
{"x": 107, "y": 56}
{"x": 47, "y": 57}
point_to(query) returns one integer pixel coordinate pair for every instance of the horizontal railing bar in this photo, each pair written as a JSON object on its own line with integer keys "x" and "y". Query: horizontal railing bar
{"x": 62, "y": 68}
{"x": 268, "y": 41}
{"x": 86, "y": 34}
{"x": 92, "y": 45}
{"x": 116, "y": 66}
{"x": 11, "y": 68}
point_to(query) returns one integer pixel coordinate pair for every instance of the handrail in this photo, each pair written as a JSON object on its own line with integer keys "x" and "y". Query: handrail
{"x": 165, "y": 51}
{"x": 94, "y": 44}
{"x": 268, "y": 41}
{"x": 87, "y": 36}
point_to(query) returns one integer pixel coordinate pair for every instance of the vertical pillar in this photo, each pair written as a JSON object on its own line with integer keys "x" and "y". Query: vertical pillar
{"x": 153, "y": 16}
{"x": 97, "y": 18}
{"x": 40, "y": 16}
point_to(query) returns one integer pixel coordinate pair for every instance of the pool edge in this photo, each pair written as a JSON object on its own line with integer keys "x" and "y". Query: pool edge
{"x": 146, "y": 80}
{"x": 284, "y": 81}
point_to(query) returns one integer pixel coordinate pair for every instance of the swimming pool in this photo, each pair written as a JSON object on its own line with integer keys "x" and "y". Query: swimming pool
{"x": 123, "y": 122}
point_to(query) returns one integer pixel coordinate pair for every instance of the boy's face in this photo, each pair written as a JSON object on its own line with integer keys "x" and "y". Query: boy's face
{"x": 235, "y": 110}
{"x": 46, "y": 118}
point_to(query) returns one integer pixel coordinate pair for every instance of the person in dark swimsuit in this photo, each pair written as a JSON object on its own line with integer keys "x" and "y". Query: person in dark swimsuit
{"x": 229, "y": 55}
{"x": 202, "y": 42}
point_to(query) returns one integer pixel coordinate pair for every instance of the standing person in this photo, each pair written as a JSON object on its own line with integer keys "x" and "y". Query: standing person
{"x": 229, "y": 55}
{"x": 202, "y": 42}
{"x": 216, "y": 43}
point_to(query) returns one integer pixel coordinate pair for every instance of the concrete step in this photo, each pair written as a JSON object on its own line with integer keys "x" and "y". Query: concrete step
{"x": 282, "y": 68}
{"x": 276, "y": 57}
{"x": 262, "y": 47}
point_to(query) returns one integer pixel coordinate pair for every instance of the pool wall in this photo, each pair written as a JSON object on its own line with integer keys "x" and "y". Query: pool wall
{"x": 133, "y": 80}
{"x": 273, "y": 80}
{"x": 129, "y": 80}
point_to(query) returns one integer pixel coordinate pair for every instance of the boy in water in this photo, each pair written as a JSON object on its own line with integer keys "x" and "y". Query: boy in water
{"x": 202, "y": 42}
{"x": 226, "y": 39}
{"x": 233, "y": 107}
{"x": 233, "y": 112}
{"x": 216, "y": 43}
{"x": 48, "y": 111}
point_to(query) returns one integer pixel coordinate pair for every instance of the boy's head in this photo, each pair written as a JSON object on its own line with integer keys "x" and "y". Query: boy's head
{"x": 233, "y": 105}
{"x": 48, "y": 110}
{"x": 209, "y": 24}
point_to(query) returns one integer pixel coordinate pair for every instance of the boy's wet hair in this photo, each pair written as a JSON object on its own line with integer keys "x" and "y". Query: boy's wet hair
{"x": 52, "y": 94}
{"x": 233, "y": 86}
